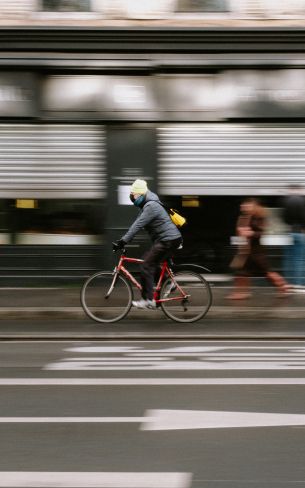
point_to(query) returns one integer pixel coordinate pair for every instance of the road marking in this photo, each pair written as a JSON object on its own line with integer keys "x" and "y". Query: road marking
{"x": 172, "y": 365}
{"x": 190, "y": 419}
{"x": 49, "y": 479}
{"x": 136, "y": 357}
{"x": 117, "y": 349}
{"x": 178, "y": 420}
{"x": 148, "y": 381}
{"x": 70, "y": 420}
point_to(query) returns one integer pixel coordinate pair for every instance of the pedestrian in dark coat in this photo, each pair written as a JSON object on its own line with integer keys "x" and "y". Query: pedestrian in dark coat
{"x": 294, "y": 253}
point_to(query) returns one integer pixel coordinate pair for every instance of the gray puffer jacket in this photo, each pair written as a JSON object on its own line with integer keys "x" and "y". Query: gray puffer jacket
{"x": 155, "y": 220}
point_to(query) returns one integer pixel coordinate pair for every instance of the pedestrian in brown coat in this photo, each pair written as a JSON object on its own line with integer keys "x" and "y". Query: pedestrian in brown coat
{"x": 251, "y": 259}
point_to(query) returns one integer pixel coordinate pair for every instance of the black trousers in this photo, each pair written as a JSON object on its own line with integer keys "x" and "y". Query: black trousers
{"x": 152, "y": 259}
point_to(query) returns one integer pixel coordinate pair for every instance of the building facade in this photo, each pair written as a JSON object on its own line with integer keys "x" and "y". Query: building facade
{"x": 207, "y": 116}
{"x": 37, "y": 11}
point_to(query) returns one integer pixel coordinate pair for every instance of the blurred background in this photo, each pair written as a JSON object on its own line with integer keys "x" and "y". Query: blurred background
{"x": 205, "y": 99}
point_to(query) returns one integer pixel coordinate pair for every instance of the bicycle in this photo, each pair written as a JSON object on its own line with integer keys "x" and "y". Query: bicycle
{"x": 183, "y": 295}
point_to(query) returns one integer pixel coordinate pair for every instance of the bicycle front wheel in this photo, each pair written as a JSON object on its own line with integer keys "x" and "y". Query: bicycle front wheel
{"x": 106, "y": 297}
{"x": 197, "y": 293}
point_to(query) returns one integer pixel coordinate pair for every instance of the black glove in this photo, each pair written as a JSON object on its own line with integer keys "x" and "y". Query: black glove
{"x": 120, "y": 244}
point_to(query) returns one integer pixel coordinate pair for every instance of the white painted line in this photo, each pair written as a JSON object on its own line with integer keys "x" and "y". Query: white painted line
{"x": 288, "y": 364}
{"x": 190, "y": 350}
{"x": 135, "y": 358}
{"x": 29, "y": 479}
{"x": 168, "y": 357}
{"x": 69, "y": 420}
{"x": 190, "y": 419}
{"x": 143, "y": 350}
{"x": 178, "y": 420}
{"x": 148, "y": 381}
{"x": 142, "y": 342}
{"x": 143, "y": 355}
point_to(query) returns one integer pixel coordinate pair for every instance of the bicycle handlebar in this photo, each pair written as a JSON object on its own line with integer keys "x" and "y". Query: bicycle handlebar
{"x": 116, "y": 248}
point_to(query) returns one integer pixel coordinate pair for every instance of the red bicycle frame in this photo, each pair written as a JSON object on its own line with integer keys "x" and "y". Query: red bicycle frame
{"x": 164, "y": 270}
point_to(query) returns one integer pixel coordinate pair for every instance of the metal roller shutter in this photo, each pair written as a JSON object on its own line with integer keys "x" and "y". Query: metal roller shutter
{"x": 230, "y": 159}
{"x": 52, "y": 161}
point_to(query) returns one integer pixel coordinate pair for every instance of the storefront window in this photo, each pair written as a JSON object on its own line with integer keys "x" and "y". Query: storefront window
{"x": 54, "y": 221}
{"x": 66, "y": 5}
{"x": 203, "y": 6}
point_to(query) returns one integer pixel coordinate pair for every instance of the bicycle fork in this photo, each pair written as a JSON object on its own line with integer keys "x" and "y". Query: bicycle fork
{"x": 115, "y": 275}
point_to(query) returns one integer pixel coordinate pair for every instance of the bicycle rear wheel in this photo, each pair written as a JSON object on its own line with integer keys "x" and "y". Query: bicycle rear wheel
{"x": 106, "y": 297}
{"x": 197, "y": 302}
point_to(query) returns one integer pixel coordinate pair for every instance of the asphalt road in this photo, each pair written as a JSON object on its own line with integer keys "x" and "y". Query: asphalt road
{"x": 146, "y": 328}
{"x": 169, "y": 414}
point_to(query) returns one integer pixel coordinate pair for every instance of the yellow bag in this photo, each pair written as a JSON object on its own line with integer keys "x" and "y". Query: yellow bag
{"x": 176, "y": 218}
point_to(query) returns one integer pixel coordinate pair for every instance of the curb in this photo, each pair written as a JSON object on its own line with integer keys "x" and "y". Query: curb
{"x": 215, "y": 312}
{"x": 119, "y": 337}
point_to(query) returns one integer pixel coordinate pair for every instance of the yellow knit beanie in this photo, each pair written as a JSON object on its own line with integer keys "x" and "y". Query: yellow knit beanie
{"x": 139, "y": 187}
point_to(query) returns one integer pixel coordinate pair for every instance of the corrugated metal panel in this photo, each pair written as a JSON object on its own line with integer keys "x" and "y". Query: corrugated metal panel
{"x": 52, "y": 161}
{"x": 15, "y": 8}
{"x": 230, "y": 159}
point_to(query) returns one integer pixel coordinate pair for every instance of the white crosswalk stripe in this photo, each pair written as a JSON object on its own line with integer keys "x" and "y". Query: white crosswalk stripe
{"x": 28, "y": 479}
{"x": 162, "y": 358}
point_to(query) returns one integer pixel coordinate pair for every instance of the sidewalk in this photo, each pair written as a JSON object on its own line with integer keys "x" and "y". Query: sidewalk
{"x": 64, "y": 303}
{"x": 43, "y": 314}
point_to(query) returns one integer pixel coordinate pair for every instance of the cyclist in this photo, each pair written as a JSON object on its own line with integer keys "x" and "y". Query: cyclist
{"x": 165, "y": 236}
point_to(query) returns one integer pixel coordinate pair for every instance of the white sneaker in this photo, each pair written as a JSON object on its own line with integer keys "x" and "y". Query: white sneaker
{"x": 150, "y": 304}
